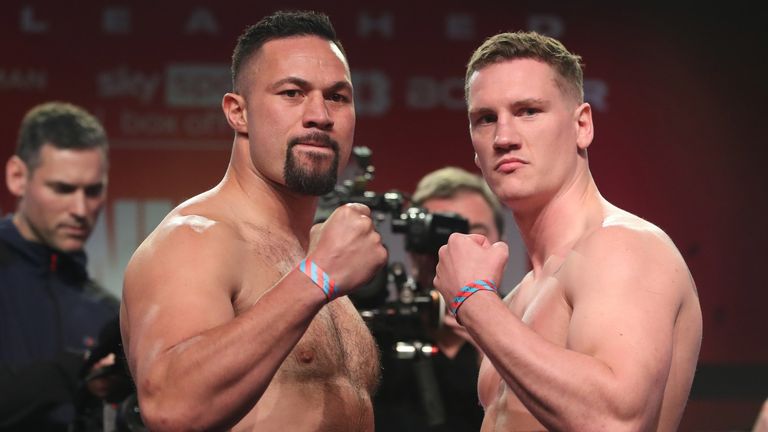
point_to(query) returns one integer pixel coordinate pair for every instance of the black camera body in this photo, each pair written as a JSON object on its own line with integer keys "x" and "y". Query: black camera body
{"x": 426, "y": 232}
{"x": 392, "y": 302}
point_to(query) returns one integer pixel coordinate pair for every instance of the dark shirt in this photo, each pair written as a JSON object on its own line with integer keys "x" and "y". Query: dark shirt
{"x": 50, "y": 314}
{"x": 400, "y": 404}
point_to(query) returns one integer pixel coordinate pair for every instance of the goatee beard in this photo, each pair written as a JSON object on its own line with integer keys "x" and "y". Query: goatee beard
{"x": 312, "y": 180}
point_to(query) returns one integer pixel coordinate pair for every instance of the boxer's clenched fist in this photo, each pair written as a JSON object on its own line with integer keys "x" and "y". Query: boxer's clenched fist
{"x": 467, "y": 258}
{"x": 347, "y": 247}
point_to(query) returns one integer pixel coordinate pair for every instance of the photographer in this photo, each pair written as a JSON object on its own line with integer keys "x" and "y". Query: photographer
{"x": 397, "y": 406}
{"x": 51, "y": 313}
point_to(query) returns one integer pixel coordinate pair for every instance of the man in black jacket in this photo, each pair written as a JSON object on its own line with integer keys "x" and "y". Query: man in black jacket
{"x": 50, "y": 312}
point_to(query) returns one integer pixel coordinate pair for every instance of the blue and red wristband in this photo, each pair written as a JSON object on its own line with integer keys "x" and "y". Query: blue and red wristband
{"x": 469, "y": 289}
{"x": 319, "y": 277}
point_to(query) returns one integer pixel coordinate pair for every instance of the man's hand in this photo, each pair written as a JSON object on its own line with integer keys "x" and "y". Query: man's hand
{"x": 99, "y": 378}
{"x": 450, "y": 323}
{"x": 347, "y": 247}
{"x": 466, "y": 258}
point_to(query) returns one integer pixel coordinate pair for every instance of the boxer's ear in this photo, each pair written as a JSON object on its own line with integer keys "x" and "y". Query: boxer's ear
{"x": 235, "y": 111}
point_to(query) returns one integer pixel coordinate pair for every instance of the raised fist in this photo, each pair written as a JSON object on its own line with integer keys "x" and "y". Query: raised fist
{"x": 467, "y": 258}
{"x": 347, "y": 247}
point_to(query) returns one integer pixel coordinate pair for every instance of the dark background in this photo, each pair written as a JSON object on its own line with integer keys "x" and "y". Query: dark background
{"x": 680, "y": 123}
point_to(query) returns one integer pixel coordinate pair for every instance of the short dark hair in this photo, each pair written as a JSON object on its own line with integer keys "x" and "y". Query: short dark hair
{"x": 60, "y": 124}
{"x": 449, "y": 181}
{"x": 509, "y": 46}
{"x": 279, "y": 25}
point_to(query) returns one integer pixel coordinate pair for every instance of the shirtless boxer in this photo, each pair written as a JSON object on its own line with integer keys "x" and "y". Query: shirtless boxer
{"x": 604, "y": 332}
{"x": 221, "y": 328}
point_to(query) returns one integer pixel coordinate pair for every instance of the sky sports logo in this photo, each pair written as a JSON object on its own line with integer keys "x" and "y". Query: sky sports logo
{"x": 196, "y": 85}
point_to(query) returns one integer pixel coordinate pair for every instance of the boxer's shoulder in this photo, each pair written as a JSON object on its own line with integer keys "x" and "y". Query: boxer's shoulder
{"x": 186, "y": 235}
{"x": 195, "y": 230}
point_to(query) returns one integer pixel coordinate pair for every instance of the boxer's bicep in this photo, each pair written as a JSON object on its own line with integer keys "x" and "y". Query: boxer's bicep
{"x": 624, "y": 308}
{"x": 176, "y": 287}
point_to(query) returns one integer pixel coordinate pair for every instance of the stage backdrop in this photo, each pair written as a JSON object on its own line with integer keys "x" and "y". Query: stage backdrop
{"x": 678, "y": 100}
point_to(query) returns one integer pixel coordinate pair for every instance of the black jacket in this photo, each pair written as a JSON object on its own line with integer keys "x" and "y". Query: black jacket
{"x": 50, "y": 314}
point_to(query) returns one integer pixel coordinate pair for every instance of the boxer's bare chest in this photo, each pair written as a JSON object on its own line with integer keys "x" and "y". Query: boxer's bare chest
{"x": 336, "y": 344}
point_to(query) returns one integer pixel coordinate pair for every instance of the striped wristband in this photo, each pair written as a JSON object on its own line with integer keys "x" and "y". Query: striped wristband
{"x": 469, "y": 289}
{"x": 319, "y": 277}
